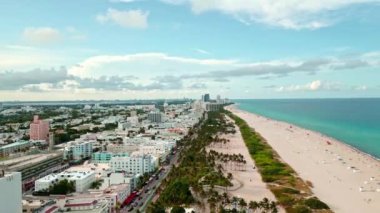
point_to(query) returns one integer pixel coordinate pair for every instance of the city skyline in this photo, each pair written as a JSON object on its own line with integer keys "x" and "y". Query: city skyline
{"x": 140, "y": 49}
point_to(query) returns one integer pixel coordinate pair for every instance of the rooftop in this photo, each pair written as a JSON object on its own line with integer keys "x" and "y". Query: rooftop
{"x": 18, "y": 143}
{"x": 48, "y": 178}
{"x": 75, "y": 175}
{"x": 16, "y": 163}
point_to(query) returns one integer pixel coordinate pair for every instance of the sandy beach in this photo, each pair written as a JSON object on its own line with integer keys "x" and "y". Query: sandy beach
{"x": 346, "y": 179}
{"x": 247, "y": 182}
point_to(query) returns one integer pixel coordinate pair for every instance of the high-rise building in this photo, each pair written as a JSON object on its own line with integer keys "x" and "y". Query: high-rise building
{"x": 213, "y": 107}
{"x": 39, "y": 129}
{"x": 155, "y": 117}
{"x": 10, "y": 192}
{"x": 206, "y": 97}
{"x": 1, "y": 106}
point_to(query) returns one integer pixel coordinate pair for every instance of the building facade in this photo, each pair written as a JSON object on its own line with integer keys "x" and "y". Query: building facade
{"x": 10, "y": 192}
{"x": 18, "y": 146}
{"x": 133, "y": 165}
{"x": 206, "y": 97}
{"x": 105, "y": 157}
{"x": 211, "y": 107}
{"x": 39, "y": 129}
{"x": 82, "y": 180}
{"x": 78, "y": 150}
{"x": 155, "y": 117}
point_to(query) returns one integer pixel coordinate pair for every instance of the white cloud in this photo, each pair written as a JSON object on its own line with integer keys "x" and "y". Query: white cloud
{"x": 123, "y": 1}
{"x": 74, "y": 34}
{"x": 315, "y": 85}
{"x": 175, "y": 2}
{"x": 361, "y": 88}
{"x": 294, "y": 14}
{"x": 41, "y": 35}
{"x": 312, "y": 86}
{"x": 202, "y": 51}
{"x": 129, "y": 18}
{"x": 143, "y": 63}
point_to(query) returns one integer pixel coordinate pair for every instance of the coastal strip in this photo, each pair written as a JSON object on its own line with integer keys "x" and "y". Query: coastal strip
{"x": 345, "y": 178}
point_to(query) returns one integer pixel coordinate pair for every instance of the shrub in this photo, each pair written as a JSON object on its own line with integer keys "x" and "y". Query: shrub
{"x": 300, "y": 209}
{"x": 315, "y": 203}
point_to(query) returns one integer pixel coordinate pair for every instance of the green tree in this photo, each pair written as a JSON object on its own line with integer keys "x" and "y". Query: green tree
{"x": 155, "y": 208}
{"x": 177, "y": 193}
{"x": 177, "y": 209}
{"x": 63, "y": 187}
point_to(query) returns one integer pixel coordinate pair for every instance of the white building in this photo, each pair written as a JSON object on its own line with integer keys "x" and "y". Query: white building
{"x": 133, "y": 120}
{"x": 159, "y": 149}
{"x": 123, "y": 126}
{"x": 135, "y": 164}
{"x": 10, "y": 192}
{"x": 82, "y": 180}
{"x": 78, "y": 150}
{"x": 45, "y": 182}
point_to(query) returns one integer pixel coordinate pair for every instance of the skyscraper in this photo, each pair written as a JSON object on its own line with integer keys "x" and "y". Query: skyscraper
{"x": 206, "y": 98}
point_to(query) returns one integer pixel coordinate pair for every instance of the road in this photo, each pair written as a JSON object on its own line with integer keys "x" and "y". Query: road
{"x": 149, "y": 190}
{"x": 146, "y": 198}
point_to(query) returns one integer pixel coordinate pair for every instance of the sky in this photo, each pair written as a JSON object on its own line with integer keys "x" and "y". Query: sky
{"x": 148, "y": 49}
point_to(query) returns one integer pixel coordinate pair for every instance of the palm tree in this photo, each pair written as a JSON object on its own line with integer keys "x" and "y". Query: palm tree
{"x": 253, "y": 205}
{"x": 242, "y": 204}
{"x": 229, "y": 176}
{"x": 234, "y": 201}
{"x": 273, "y": 207}
{"x": 264, "y": 204}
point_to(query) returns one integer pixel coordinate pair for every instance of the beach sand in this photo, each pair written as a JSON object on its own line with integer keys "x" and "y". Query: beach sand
{"x": 346, "y": 179}
{"x": 247, "y": 182}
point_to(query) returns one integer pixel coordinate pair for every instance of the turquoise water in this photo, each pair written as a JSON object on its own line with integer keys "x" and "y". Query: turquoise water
{"x": 352, "y": 121}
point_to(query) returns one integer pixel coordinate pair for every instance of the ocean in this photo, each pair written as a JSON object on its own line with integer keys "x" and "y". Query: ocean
{"x": 353, "y": 121}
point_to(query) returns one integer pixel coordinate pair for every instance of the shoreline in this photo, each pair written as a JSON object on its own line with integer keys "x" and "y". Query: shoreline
{"x": 236, "y": 107}
{"x": 336, "y": 170}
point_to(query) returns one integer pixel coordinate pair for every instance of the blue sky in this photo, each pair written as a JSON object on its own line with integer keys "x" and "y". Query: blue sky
{"x": 125, "y": 49}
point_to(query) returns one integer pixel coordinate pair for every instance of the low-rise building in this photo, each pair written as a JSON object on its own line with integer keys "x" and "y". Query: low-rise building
{"x": 105, "y": 157}
{"x": 78, "y": 150}
{"x": 87, "y": 205}
{"x": 18, "y": 146}
{"x": 135, "y": 164}
{"x": 82, "y": 180}
{"x": 35, "y": 166}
